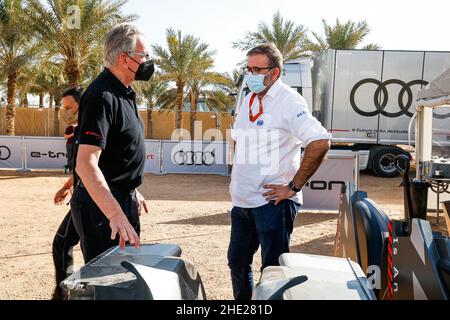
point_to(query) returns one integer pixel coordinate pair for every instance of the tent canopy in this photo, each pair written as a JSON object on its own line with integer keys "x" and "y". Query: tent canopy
{"x": 437, "y": 92}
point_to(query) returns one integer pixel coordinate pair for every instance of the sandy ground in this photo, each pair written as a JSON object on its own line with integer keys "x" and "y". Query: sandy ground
{"x": 189, "y": 210}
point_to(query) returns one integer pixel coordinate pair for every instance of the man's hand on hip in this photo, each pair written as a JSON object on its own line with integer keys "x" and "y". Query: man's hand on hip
{"x": 278, "y": 193}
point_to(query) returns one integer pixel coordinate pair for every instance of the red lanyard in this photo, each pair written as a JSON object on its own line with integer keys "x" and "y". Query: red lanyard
{"x": 252, "y": 117}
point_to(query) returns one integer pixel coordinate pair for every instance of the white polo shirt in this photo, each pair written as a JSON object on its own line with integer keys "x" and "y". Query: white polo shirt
{"x": 268, "y": 150}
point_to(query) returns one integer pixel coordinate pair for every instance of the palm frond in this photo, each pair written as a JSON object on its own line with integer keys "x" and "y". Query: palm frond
{"x": 76, "y": 45}
{"x": 347, "y": 35}
{"x": 289, "y": 38}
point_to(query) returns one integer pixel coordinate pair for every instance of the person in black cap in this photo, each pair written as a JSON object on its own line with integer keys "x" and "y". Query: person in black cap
{"x": 111, "y": 149}
{"x": 66, "y": 237}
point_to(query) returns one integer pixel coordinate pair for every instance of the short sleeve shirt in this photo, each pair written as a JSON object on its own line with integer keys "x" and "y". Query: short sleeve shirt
{"x": 268, "y": 149}
{"x": 109, "y": 118}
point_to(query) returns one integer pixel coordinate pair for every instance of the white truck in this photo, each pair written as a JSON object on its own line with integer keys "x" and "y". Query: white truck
{"x": 366, "y": 99}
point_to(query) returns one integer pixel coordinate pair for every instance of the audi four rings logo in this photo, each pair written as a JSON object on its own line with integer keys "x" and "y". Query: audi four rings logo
{"x": 194, "y": 158}
{"x": 381, "y": 98}
{"x": 5, "y": 153}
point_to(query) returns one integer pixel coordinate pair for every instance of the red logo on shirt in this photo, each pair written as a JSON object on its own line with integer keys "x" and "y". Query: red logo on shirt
{"x": 90, "y": 133}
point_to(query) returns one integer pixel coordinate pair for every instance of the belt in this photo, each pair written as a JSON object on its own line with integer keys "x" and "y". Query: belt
{"x": 81, "y": 185}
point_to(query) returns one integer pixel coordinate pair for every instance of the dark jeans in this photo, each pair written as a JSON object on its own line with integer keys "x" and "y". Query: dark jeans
{"x": 93, "y": 226}
{"x": 65, "y": 239}
{"x": 269, "y": 226}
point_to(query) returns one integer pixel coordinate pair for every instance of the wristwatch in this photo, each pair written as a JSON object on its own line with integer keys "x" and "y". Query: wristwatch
{"x": 293, "y": 187}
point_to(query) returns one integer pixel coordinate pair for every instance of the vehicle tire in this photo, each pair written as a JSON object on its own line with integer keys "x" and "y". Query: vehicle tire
{"x": 382, "y": 164}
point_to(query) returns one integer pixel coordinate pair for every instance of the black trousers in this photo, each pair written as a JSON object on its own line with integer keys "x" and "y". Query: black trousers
{"x": 70, "y": 156}
{"x": 93, "y": 226}
{"x": 65, "y": 239}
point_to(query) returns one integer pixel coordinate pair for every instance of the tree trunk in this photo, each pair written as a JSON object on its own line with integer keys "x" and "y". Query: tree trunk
{"x": 57, "y": 100}
{"x": 25, "y": 101}
{"x": 22, "y": 100}
{"x": 179, "y": 107}
{"x": 56, "y": 122}
{"x": 50, "y": 101}
{"x": 193, "y": 114}
{"x": 149, "y": 122}
{"x": 41, "y": 100}
{"x": 73, "y": 73}
{"x": 10, "y": 107}
{"x": 218, "y": 120}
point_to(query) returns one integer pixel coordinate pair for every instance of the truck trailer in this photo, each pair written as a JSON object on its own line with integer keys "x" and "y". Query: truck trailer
{"x": 366, "y": 99}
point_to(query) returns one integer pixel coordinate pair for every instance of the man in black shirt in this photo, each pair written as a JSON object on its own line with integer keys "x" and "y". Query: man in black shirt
{"x": 111, "y": 152}
{"x": 66, "y": 237}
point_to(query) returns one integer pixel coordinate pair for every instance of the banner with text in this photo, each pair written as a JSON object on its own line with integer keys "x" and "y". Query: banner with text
{"x": 194, "y": 157}
{"x": 153, "y": 157}
{"x": 324, "y": 188}
{"x": 11, "y": 153}
{"x": 45, "y": 153}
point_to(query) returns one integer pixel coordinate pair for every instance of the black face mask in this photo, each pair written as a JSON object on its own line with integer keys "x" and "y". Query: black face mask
{"x": 145, "y": 70}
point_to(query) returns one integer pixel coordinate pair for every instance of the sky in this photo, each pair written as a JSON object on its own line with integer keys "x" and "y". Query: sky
{"x": 395, "y": 24}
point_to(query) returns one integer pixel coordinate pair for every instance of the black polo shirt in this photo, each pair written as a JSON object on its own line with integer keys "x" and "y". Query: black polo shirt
{"x": 109, "y": 118}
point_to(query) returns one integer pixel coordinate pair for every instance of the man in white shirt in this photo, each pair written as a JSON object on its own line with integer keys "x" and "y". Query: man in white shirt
{"x": 267, "y": 177}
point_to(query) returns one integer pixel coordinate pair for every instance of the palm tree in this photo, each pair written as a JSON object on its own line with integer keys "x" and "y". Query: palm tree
{"x": 346, "y": 35}
{"x": 186, "y": 59}
{"x": 151, "y": 93}
{"x": 211, "y": 87}
{"x": 27, "y": 82}
{"x": 24, "y": 83}
{"x": 93, "y": 66}
{"x": 70, "y": 43}
{"x": 236, "y": 77}
{"x": 371, "y": 46}
{"x": 17, "y": 47}
{"x": 289, "y": 38}
{"x": 42, "y": 78}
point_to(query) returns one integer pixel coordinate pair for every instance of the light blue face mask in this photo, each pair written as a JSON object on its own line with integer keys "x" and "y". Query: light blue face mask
{"x": 255, "y": 83}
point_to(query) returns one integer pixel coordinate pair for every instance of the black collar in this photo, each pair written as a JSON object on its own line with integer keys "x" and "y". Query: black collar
{"x": 128, "y": 92}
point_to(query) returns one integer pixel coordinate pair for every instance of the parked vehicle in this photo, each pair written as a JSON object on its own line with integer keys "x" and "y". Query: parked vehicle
{"x": 366, "y": 98}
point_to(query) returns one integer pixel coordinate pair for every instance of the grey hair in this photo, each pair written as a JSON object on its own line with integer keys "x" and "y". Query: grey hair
{"x": 271, "y": 52}
{"x": 122, "y": 38}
